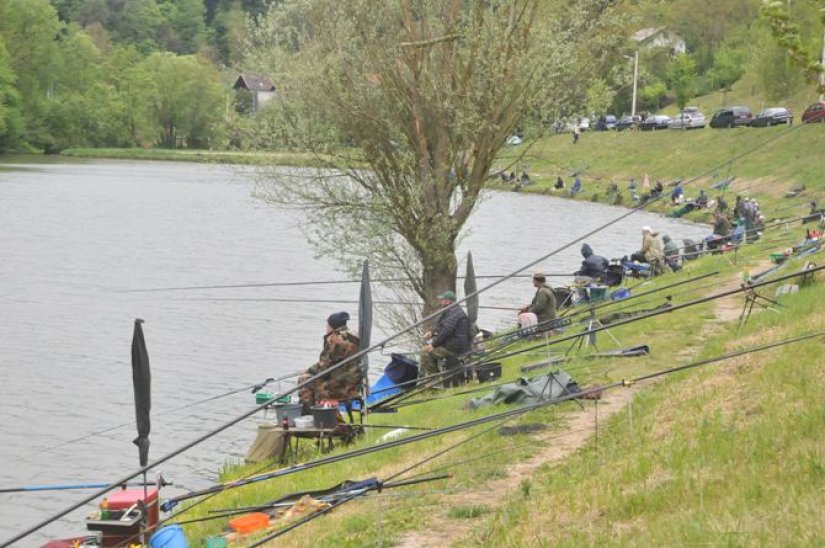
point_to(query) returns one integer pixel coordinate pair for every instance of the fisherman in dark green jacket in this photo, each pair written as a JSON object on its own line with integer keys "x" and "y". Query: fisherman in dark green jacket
{"x": 543, "y": 307}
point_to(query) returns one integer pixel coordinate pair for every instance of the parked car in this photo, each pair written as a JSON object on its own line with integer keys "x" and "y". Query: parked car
{"x": 689, "y": 118}
{"x": 814, "y": 113}
{"x": 656, "y": 121}
{"x": 608, "y": 121}
{"x": 771, "y": 117}
{"x": 731, "y": 117}
{"x": 584, "y": 124}
{"x": 628, "y": 122}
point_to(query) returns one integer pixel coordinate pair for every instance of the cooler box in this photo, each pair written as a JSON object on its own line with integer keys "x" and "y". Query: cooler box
{"x": 117, "y": 532}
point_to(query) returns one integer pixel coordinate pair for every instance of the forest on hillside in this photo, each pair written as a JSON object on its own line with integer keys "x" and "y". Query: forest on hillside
{"x": 160, "y": 73}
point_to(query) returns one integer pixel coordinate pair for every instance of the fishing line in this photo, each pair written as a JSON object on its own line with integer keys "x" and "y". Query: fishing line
{"x": 532, "y": 407}
{"x": 669, "y": 310}
{"x": 317, "y": 282}
{"x": 360, "y": 354}
{"x": 161, "y": 413}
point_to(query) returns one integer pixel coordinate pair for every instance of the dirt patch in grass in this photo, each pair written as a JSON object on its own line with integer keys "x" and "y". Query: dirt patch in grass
{"x": 442, "y": 530}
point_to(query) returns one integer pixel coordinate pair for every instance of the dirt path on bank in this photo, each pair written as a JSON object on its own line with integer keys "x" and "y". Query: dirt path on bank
{"x": 580, "y": 426}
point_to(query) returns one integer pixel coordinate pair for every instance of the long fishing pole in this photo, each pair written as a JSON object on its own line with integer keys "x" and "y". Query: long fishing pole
{"x": 72, "y": 486}
{"x": 687, "y": 304}
{"x": 593, "y": 329}
{"x": 318, "y": 282}
{"x": 320, "y": 301}
{"x": 532, "y": 407}
{"x": 164, "y": 412}
{"x": 361, "y": 353}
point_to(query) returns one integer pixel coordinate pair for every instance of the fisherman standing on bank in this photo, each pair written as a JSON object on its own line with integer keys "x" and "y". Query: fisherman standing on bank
{"x": 543, "y": 307}
{"x": 450, "y": 339}
{"x": 344, "y": 383}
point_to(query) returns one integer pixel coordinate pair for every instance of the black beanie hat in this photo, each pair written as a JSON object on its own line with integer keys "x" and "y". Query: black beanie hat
{"x": 338, "y": 319}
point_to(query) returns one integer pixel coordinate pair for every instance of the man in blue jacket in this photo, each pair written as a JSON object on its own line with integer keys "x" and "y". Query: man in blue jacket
{"x": 593, "y": 266}
{"x": 450, "y": 338}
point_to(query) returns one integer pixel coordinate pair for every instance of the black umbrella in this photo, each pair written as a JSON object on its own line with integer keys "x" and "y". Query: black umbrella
{"x": 470, "y": 288}
{"x": 142, "y": 382}
{"x": 365, "y": 315}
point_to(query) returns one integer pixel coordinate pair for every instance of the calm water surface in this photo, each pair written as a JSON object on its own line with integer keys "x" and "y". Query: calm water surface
{"x": 75, "y": 236}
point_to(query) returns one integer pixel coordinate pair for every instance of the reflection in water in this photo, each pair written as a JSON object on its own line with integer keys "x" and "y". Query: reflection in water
{"x": 75, "y": 235}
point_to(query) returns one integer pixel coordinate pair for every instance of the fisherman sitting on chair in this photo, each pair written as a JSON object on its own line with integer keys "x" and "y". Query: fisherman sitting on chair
{"x": 344, "y": 383}
{"x": 450, "y": 338}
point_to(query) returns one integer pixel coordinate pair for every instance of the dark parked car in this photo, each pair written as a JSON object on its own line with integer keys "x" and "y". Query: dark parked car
{"x": 628, "y": 122}
{"x": 657, "y": 121}
{"x": 814, "y": 113}
{"x": 608, "y": 121}
{"x": 771, "y": 117}
{"x": 731, "y": 117}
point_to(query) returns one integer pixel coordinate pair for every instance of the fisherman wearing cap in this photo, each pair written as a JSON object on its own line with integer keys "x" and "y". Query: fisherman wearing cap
{"x": 449, "y": 339}
{"x": 344, "y": 383}
{"x": 651, "y": 252}
{"x": 542, "y": 308}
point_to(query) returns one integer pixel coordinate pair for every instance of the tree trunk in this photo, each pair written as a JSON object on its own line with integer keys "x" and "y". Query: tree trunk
{"x": 438, "y": 277}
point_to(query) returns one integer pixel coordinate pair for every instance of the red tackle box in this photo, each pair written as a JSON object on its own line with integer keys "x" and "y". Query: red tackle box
{"x": 117, "y": 531}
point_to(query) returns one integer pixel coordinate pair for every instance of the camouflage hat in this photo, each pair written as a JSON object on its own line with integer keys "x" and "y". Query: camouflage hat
{"x": 447, "y": 295}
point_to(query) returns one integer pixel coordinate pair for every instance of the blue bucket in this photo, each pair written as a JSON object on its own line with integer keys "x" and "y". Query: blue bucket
{"x": 170, "y": 536}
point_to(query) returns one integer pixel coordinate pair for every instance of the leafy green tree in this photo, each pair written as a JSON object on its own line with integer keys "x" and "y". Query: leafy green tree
{"x": 88, "y": 12}
{"x": 185, "y": 99}
{"x": 705, "y": 24}
{"x": 652, "y": 95}
{"x": 29, "y": 28}
{"x": 427, "y": 92}
{"x": 11, "y": 121}
{"x": 728, "y": 67}
{"x": 185, "y": 20}
{"x": 138, "y": 22}
{"x": 599, "y": 96}
{"x": 792, "y": 34}
{"x": 682, "y": 79}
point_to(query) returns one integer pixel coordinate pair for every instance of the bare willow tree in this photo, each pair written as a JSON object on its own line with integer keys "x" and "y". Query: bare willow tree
{"x": 422, "y": 94}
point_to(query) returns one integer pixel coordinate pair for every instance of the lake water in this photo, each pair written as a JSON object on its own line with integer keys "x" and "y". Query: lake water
{"x": 75, "y": 236}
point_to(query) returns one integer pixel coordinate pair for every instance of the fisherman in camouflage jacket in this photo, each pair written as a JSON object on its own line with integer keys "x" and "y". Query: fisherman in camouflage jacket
{"x": 343, "y": 383}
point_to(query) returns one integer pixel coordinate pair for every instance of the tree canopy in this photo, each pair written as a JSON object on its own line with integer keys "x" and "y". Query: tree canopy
{"x": 424, "y": 93}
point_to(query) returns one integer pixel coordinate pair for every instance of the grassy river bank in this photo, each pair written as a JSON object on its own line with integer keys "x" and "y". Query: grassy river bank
{"x": 726, "y": 454}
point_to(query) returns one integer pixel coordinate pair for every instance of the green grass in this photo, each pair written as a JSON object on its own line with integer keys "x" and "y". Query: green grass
{"x": 767, "y": 163}
{"x": 698, "y": 464}
{"x": 730, "y": 455}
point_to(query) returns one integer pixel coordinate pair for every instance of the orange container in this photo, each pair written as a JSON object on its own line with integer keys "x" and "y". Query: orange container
{"x": 249, "y": 522}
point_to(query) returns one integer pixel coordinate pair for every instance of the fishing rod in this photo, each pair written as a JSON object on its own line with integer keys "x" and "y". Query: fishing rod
{"x": 72, "y": 486}
{"x": 539, "y": 405}
{"x": 254, "y": 387}
{"x": 674, "y": 308}
{"x": 320, "y": 301}
{"x": 324, "y": 495}
{"x": 313, "y": 516}
{"x": 361, "y": 353}
{"x": 318, "y": 282}
{"x": 398, "y": 402}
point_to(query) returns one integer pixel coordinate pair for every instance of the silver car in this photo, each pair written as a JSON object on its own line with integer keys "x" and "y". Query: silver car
{"x": 689, "y": 118}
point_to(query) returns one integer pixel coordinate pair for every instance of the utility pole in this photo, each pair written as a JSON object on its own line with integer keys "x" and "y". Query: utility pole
{"x": 636, "y": 79}
{"x": 822, "y": 70}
